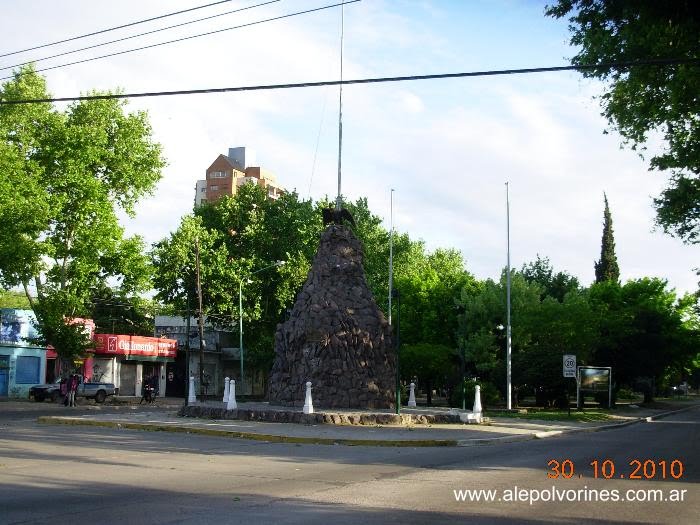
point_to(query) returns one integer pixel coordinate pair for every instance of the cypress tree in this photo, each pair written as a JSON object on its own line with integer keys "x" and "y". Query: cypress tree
{"x": 607, "y": 269}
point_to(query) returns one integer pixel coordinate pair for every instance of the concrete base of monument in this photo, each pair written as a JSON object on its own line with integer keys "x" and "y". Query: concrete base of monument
{"x": 277, "y": 414}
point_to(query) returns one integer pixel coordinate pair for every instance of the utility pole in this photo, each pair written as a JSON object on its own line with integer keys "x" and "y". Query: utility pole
{"x": 187, "y": 345}
{"x": 391, "y": 293}
{"x": 508, "y": 329}
{"x": 201, "y": 325}
{"x": 338, "y": 200}
{"x": 391, "y": 248}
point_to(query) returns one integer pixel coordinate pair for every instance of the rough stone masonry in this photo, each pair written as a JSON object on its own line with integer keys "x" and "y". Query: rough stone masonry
{"x": 336, "y": 336}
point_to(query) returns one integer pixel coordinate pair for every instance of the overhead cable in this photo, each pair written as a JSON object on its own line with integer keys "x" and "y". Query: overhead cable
{"x": 193, "y": 36}
{"x": 113, "y": 28}
{"x": 377, "y": 80}
{"x": 137, "y": 35}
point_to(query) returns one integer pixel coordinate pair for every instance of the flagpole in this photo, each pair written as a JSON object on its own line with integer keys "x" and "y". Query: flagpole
{"x": 508, "y": 328}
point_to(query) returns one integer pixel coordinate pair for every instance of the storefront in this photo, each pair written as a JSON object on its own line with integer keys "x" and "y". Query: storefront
{"x": 22, "y": 364}
{"x": 128, "y": 360}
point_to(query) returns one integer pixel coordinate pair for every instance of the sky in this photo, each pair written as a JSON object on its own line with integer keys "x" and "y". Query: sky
{"x": 446, "y": 147}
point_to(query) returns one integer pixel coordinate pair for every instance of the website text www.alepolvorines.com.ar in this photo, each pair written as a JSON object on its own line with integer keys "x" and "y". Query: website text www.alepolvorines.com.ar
{"x": 556, "y": 495}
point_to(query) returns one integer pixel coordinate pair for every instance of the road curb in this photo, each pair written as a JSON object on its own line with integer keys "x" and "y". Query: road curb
{"x": 269, "y": 438}
{"x": 273, "y": 438}
{"x": 476, "y": 442}
{"x": 669, "y": 413}
{"x": 612, "y": 426}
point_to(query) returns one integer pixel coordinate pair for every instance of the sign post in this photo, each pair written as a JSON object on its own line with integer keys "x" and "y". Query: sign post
{"x": 569, "y": 370}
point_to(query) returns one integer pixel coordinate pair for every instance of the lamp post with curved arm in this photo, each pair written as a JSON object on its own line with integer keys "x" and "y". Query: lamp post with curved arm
{"x": 240, "y": 312}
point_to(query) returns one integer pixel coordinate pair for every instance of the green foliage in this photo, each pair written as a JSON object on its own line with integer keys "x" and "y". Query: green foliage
{"x": 642, "y": 330}
{"x": 543, "y": 329}
{"x": 429, "y": 285}
{"x": 240, "y": 240}
{"x": 117, "y": 313}
{"x": 175, "y": 277}
{"x": 427, "y": 362}
{"x": 648, "y": 101}
{"x": 490, "y": 395}
{"x": 10, "y": 299}
{"x": 556, "y": 329}
{"x": 606, "y": 269}
{"x": 54, "y": 328}
{"x": 483, "y": 324}
{"x": 77, "y": 169}
{"x": 555, "y": 285}
{"x": 559, "y": 415}
{"x": 626, "y": 394}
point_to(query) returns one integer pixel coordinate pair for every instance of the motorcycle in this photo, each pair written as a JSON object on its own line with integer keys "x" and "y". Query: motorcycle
{"x": 149, "y": 394}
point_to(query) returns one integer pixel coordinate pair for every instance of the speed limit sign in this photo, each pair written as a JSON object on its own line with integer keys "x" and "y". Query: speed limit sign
{"x": 569, "y": 366}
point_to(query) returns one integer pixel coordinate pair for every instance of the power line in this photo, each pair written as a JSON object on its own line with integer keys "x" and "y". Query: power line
{"x": 114, "y": 28}
{"x": 377, "y": 80}
{"x": 138, "y": 35}
{"x": 193, "y": 36}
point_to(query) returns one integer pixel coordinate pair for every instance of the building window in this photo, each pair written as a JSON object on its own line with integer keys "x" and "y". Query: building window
{"x": 218, "y": 174}
{"x": 203, "y": 190}
{"x": 27, "y": 370}
{"x": 214, "y": 187}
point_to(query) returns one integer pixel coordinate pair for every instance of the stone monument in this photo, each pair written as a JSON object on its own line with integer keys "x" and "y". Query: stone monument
{"x": 336, "y": 336}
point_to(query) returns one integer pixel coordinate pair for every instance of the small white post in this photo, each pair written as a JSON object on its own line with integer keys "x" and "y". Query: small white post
{"x": 308, "y": 403}
{"x": 191, "y": 397}
{"x": 477, "y": 403}
{"x": 231, "y": 404}
{"x": 226, "y": 387}
{"x": 412, "y": 396}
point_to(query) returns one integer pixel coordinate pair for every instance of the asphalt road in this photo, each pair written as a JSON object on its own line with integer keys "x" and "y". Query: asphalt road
{"x": 59, "y": 474}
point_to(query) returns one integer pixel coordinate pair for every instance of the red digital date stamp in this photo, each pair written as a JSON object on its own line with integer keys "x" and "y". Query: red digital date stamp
{"x": 649, "y": 469}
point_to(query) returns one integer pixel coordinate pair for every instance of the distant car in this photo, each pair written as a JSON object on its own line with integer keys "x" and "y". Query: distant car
{"x": 681, "y": 390}
{"x": 52, "y": 391}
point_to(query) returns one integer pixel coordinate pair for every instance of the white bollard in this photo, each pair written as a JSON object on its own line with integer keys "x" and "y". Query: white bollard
{"x": 191, "y": 396}
{"x": 477, "y": 403}
{"x": 226, "y": 387}
{"x": 308, "y": 403}
{"x": 231, "y": 404}
{"x": 412, "y": 396}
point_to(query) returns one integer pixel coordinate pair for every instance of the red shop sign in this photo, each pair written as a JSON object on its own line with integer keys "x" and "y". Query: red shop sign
{"x": 113, "y": 344}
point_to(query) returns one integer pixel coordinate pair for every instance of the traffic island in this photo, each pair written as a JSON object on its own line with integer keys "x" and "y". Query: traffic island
{"x": 282, "y": 415}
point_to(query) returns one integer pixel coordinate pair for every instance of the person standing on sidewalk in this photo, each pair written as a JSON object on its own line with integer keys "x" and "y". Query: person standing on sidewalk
{"x": 72, "y": 389}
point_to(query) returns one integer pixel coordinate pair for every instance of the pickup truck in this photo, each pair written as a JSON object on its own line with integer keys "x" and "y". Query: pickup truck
{"x": 52, "y": 391}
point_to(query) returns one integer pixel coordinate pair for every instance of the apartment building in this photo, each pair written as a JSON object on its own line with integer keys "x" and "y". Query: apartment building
{"x": 228, "y": 172}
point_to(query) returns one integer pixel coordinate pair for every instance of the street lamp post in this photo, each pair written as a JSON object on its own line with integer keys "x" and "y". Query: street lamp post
{"x": 508, "y": 327}
{"x": 240, "y": 313}
{"x": 398, "y": 350}
{"x": 462, "y": 385}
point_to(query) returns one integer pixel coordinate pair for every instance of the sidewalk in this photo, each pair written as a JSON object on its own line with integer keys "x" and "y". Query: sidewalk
{"x": 500, "y": 430}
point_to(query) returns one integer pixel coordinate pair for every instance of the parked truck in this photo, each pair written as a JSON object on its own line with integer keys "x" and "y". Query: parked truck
{"x": 88, "y": 390}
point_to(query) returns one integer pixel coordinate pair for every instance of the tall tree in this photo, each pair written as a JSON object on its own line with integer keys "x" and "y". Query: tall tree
{"x": 607, "y": 269}
{"x": 65, "y": 176}
{"x": 555, "y": 285}
{"x": 642, "y": 331}
{"x": 651, "y": 100}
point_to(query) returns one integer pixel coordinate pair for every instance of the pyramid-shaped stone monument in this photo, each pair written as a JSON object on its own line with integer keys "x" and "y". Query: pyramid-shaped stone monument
{"x": 336, "y": 336}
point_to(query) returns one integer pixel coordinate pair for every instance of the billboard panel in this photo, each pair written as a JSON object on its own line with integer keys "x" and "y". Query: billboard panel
{"x": 594, "y": 379}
